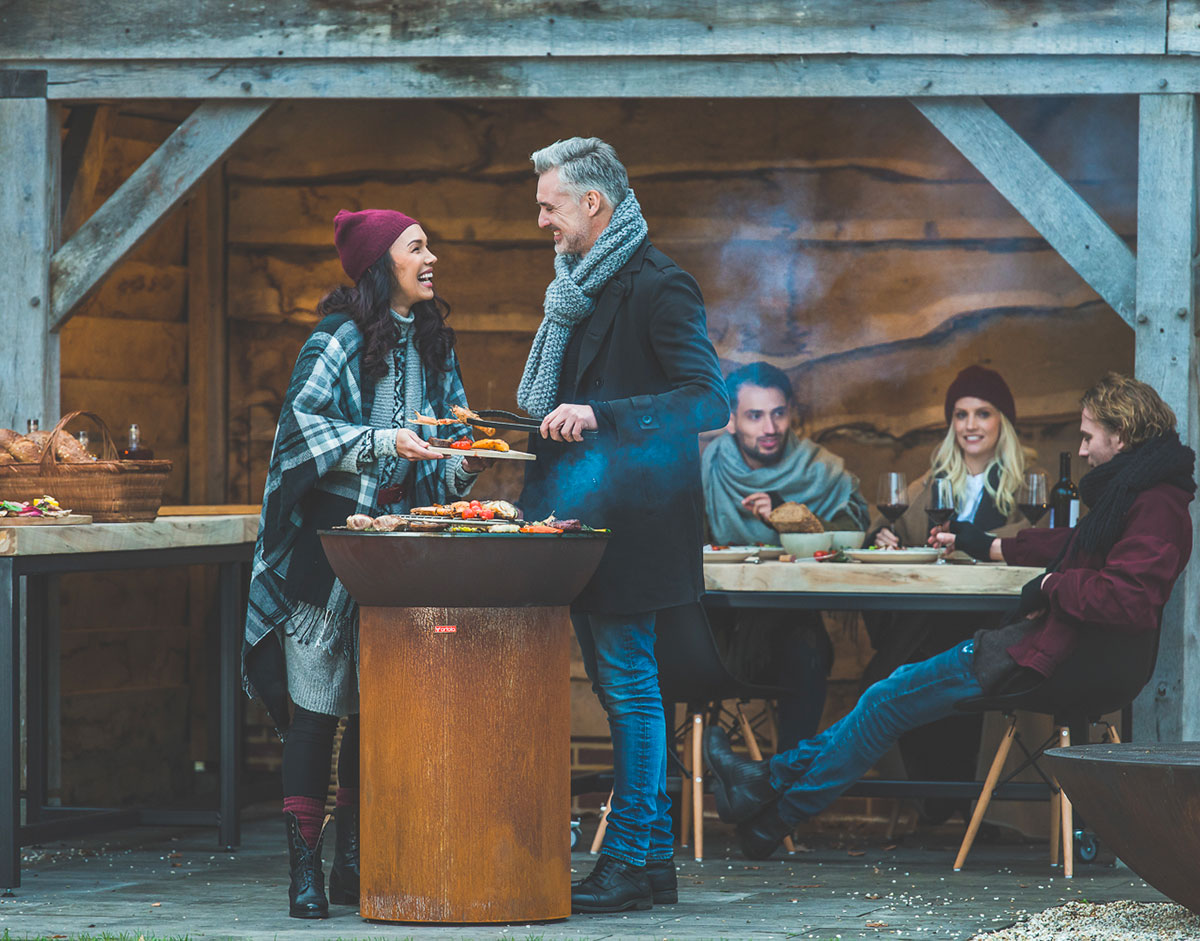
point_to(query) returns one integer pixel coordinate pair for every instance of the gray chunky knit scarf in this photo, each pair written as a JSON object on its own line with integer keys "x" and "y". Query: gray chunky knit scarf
{"x": 571, "y": 298}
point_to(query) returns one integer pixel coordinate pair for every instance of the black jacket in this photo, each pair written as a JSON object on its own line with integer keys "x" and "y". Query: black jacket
{"x": 647, "y": 368}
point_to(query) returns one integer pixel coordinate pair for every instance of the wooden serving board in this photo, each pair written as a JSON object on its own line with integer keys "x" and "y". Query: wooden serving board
{"x": 480, "y": 452}
{"x": 71, "y": 519}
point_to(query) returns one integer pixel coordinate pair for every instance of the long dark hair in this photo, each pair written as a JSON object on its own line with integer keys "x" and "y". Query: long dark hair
{"x": 369, "y": 303}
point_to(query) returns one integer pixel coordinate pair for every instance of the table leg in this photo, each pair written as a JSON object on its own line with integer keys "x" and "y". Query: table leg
{"x": 230, "y": 628}
{"x": 36, "y": 603}
{"x": 10, "y": 732}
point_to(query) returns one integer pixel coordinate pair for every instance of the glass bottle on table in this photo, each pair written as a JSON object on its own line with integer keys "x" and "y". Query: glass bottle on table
{"x": 1064, "y": 498}
{"x": 136, "y": 450}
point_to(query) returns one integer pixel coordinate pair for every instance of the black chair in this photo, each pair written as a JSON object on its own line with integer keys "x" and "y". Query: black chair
{"x": 691, "y": 671}
{"x": 1103, "y": 675}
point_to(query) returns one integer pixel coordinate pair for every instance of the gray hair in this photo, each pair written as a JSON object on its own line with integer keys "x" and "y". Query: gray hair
{"x": 585, "y": 163}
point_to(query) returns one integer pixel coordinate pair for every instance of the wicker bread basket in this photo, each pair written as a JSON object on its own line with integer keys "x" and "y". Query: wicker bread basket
{"x": 110, "y": 490}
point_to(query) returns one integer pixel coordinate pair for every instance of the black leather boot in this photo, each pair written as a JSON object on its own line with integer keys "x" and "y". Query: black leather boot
{"x": 762, "y": 833}
{"x": 613, "y": 886}
{"x": 306, "y": 892}
{"x": 343, "y": 874}
{"x": 741, "y": 787}
{"x": 664, "y": 883}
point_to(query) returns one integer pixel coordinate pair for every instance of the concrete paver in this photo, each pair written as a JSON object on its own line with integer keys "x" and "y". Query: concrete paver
{"x": 175, "y": 882}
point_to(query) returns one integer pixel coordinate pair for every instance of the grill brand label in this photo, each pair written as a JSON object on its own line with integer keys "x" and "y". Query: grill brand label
{"x": 446, "y": 629}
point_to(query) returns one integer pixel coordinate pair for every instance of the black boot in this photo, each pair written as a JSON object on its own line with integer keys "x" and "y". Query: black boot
{"x": 343, "y": 874}
{"x": 741, "y": 787}
{"x": 759, "y": 835}
{"x": 613, "y": 886}
{"x": 306, "y": 892}
{"x": 664, "y": 884}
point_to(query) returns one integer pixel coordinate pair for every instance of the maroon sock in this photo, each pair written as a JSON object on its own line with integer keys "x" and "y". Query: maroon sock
{"x": 347, "y": 797}
{"x": 310, "y": 814}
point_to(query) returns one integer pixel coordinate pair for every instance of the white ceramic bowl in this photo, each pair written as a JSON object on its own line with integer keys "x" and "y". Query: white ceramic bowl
{"x": 847, "y": 539}
{"x": 803, "y": 545}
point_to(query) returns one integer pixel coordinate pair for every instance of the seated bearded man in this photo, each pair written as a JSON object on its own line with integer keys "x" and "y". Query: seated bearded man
{"x": 1113, "y": 572}
{"x": 757, "y": 465}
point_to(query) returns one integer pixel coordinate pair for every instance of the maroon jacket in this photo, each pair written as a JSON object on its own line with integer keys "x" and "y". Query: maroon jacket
{"x": 1125, "y": 589}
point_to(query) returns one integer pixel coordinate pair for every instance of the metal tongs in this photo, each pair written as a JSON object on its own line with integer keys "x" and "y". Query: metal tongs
{"x": 510, "y": 421}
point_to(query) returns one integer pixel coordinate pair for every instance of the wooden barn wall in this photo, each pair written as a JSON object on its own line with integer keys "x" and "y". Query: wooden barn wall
{"x": 132, "y": 664}
{"x": 845, "y": 241}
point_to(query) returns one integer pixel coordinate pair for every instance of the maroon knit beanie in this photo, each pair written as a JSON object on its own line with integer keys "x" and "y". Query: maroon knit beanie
{"x": 363, "y": 237}
{"x": 981, "y": 383}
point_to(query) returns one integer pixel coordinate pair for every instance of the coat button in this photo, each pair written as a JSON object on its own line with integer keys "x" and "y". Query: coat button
{"x": 599, "y": 382}
{"x": 647, "y": 419}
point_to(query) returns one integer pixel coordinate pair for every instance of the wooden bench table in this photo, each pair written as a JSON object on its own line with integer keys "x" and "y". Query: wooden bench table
{"x": 30, "y": 558}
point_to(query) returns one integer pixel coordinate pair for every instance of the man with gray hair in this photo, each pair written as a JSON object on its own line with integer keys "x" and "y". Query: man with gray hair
{"x": 624, "y": 378}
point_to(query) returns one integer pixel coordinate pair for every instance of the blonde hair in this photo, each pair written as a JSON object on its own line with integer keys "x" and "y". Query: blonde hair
{"x": 1128, "y": 408}
{"x": 1011, "y": 457}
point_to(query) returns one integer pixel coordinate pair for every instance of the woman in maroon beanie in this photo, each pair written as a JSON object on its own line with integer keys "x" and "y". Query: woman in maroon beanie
{"x": 985, "y": 462}
{"x": 346, "y": 444}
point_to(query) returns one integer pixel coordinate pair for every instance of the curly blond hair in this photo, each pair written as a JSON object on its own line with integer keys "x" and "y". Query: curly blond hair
{"x": 1128, "y": 408}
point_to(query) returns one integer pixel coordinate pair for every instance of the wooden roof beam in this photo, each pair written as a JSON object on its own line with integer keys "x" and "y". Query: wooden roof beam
{"x": 143, "y": 200}
{"x": 1071, "y": 226}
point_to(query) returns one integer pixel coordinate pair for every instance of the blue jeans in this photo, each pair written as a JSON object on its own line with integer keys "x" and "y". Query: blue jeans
{"x": 618, "y": 653}
{"x": 814, "y": 773}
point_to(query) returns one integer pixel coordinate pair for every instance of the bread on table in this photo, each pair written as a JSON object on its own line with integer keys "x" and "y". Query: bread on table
{"x": 795, "y": 518}
{"x": 24, "y": 449}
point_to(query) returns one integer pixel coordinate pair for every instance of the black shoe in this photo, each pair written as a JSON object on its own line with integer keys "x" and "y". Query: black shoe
{"x": 664, "y": 884}
{"x": 762, "y": 833}
{"x": 742, "y": 787}
{"x": 613, "y": 886}
{"x": 343, "y": 874}
{"x": 306, "y": 891}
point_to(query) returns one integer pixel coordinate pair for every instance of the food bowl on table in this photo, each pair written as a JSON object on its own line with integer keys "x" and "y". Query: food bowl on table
{"x": 803, "y": 545}
{"x": 847, "y": 539}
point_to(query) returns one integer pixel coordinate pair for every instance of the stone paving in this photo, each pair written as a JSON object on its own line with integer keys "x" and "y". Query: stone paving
{"x": 170, "y": 883}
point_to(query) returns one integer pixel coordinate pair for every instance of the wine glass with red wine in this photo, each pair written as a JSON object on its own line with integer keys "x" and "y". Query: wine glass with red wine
{"x": 1031, "y": 498}
{"x": 941, "y": 502}
{"x": 892, "y": 497}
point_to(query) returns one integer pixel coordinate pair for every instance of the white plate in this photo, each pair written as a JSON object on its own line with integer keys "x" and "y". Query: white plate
{"x": 729, "y": 553}
{"x": 913, "y": 556}
{"x": 768, "y": 553}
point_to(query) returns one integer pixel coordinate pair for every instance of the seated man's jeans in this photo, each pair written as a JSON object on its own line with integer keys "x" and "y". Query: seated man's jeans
{"x": 618, "y": 653}
{"x": 814, "y": 773}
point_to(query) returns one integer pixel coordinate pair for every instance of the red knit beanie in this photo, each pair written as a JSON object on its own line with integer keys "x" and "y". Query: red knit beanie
{"x": 981, "y": 383}
{"x": 363, "y": 237}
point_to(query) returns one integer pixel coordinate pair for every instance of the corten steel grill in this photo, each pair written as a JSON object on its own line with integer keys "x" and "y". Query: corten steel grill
{"x": 1143, "y": 801}
{"x": 464, "y": 674}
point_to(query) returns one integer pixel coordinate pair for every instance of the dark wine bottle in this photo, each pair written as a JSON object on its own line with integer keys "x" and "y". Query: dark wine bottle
{"x": 137, "y": 450}
{"x": 1064, "y": 497}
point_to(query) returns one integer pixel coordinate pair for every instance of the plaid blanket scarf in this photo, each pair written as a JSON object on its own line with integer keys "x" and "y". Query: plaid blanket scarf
{"x": 324, "y": 415}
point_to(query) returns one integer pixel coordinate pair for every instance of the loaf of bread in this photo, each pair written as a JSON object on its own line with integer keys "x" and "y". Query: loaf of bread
{"x": 25, "y": 450}
{"x": 795, "y": 518}
{"x": 6, "y": 458}
{"x": 70, "y": 451}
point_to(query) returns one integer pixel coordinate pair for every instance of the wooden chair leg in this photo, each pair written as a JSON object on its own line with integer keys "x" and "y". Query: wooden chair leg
{"x": 685, "y": 791}
{"x": 1111, "y": 733}
{"x": 698, "y": 784}
{"x": 598, "y": 841}
{"x": 985, "y": 796}
{"x": 1055, "y": 825}
{"x": 1068, "y": 825}
{"x": 772, "y": 726}
{"x": 756, "y": 754}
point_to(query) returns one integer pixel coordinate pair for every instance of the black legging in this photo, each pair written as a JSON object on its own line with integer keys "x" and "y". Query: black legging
{"x": 307, "y": 750}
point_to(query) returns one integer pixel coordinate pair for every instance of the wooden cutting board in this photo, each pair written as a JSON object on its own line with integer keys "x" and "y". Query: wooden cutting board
{"x": 71, "y": 519}
{"x": 499, "y": 455}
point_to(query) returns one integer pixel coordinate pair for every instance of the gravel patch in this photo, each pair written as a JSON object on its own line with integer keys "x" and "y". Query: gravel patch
{"x": 1111, "y": 921}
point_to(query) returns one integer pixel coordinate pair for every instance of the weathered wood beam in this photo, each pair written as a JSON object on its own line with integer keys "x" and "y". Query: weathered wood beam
{"x": 88, "y": 131}
{"x": 1037, "y": 192}
{"x": 208, "y": 352}
{"x": 29, "y": 150}
{"x": 153, "y": 190}
{"x": 620, "y": 76}
{"x": 1165, "y": 342}
{"x": 217, "y": 29}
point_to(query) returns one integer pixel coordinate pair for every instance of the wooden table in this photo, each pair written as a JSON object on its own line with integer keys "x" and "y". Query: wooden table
{"x": 30, "y": 556}
{"x": 861, "y": 586}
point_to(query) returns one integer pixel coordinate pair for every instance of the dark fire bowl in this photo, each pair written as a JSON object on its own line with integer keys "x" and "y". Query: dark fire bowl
{"x": 431, "y": 570}
{"x": 1143, "y": 801}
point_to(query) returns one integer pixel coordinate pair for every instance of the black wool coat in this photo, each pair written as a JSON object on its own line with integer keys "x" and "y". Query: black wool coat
{"x": 649, "y": 371}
